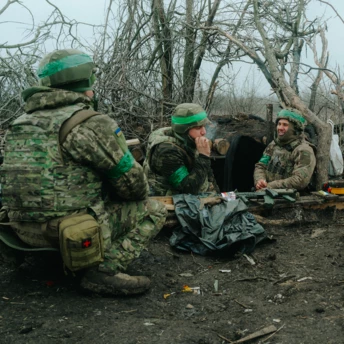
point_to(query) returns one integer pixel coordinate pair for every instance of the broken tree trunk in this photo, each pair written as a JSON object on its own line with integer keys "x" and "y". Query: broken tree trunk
{"x": 220, "y": 146}
{"x": 135, "y": 149}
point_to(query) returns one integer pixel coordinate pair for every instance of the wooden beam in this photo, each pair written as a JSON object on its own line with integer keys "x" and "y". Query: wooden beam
{"x": 132, "y": 142}
{"x": 307, "y": 202}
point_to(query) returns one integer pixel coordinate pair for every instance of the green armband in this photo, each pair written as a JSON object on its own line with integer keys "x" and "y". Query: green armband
{"x": 265, "y": 159}
{"x": 125, "y": 165}
{"x": 177, "y": 177}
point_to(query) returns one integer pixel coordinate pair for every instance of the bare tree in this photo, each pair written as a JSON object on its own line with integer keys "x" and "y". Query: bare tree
{"x": 150, "y": 55}
{"x": 151, "y": 60}
{"x": 18, "y": 61}
{"x": 334, "y": 77}
{"x": 277, "y": 31}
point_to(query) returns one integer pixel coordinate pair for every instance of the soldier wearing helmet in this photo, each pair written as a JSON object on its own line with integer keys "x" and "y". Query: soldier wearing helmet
{"x": 58, "y": 155}
{"x": 289, "y": 160}
{"x": 177, "y": 158}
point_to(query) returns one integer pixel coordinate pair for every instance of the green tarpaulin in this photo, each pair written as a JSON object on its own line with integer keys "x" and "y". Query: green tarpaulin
{"x": 222, "y": 229}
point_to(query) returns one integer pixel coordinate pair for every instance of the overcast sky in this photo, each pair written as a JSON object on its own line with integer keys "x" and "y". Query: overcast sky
{"x": 93, "y": 12}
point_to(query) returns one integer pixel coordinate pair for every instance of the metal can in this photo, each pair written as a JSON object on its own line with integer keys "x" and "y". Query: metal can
{"x": 229, "y": 196}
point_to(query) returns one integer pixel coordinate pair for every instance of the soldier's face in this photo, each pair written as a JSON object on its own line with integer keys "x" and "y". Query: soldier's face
{"x": 282, "y": 127}
{"x": 197, "y": 132}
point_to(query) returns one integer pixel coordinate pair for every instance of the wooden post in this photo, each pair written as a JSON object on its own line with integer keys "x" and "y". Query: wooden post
{"x": 271, "y": 124}
{"x": 136, "y": 150}
{"x": 220, "y": 146}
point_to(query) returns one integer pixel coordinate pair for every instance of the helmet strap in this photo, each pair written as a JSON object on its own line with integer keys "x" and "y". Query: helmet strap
{"x": 95, "y": 102}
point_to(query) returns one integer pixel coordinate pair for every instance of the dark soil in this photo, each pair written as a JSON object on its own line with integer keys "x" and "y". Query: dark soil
{"x": 296, "y": 284}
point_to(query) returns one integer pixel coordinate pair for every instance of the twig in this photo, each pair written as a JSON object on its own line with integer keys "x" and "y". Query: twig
{"x": 193, "y": 258}
{"x": 131, "y": 311}
{"x": 273, "y": 334}
{"x": 241, "y": 304}
{"x": 250, "y": 260}
{"x": 251, "y": 279}
{"x": 262, "y": 332}
{"x": 224, "y": 338}
{"x": 17, "y": 303}
{"x": 286, "y": 278}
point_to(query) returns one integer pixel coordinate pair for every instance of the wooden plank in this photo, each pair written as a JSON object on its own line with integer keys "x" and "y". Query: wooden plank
{"x": 132, "y": 142}
{"x": 167, "y": 200}
{"x": 307, "y": 202}
{"x": 163, "y": 199}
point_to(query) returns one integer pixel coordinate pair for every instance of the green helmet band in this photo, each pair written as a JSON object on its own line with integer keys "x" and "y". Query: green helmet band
{"x": 191, "y": 119}
{"x": 186, "y": 116}
{"x": 68, "y": 69}
{"x": 64, "y": 63}
{"x": 292, "y": 117}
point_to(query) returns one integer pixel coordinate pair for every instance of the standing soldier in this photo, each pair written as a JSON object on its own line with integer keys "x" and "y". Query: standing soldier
{"x": 288, "y": 161}
{"x": 57, "y": 157}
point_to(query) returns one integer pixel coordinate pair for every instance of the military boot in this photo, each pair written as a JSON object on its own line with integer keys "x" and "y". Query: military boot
{"x": 119, "y": 284}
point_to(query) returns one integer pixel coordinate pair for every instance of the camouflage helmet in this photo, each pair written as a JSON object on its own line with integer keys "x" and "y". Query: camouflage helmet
{"x": 186, "y": 116}
{"x": 296, "y": 119}
{"x": 69, "y": 69}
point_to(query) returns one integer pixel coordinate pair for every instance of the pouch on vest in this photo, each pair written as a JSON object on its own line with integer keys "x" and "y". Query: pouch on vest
{"x": 81, "y": 242}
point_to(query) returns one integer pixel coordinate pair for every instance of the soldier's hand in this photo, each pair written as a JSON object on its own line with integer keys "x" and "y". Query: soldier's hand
{"x": 261, "y": 184}
{"x": 202, "y": 145}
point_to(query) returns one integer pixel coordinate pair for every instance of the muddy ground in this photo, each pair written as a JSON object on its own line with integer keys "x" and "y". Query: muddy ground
{"x": 296, "y": 284}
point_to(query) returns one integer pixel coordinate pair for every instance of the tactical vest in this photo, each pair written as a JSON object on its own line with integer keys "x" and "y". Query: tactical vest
{"x": 281, "y": 165}
{"x": 38, "y": 183}
{"x": 159, "y": 186}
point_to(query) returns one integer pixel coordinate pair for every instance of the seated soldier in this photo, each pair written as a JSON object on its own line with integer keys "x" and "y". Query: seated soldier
{"x": 177, "y": 158}
{"x": 57, "y": 157}
{"x": 289, "y": 160}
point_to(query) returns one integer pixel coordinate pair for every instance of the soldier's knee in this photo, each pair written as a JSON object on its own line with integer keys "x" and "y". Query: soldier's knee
{"x": 156, "y": 208}
{"x": 157, "y": 212}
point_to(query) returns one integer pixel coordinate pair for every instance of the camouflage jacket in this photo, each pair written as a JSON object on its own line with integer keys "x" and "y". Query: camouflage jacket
{"x": 174, "y": 168}
{"x": 42, "y": 180}
{"x": 287, "y": 166}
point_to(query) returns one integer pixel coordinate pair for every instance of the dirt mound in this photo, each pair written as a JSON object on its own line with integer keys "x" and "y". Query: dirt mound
{"x": 242, "y": 124}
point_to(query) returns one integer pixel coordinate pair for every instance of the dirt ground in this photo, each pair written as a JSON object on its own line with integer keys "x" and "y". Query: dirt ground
{"x": 295, "y": 284}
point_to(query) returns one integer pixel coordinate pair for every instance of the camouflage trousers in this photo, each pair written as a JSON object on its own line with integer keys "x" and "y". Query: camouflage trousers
{"x": 127, "y": 230}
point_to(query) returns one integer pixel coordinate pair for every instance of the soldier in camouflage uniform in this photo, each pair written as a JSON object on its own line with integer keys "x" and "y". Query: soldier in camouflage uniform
{"x": 44, "y": 179}
{"x": 177, "y": 158}
{"x": 289, "y": 160}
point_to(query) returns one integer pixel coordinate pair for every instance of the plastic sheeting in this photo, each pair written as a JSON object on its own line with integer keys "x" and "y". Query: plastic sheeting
{"x": 336, "y": 163}
{"x": 221, "y": 229}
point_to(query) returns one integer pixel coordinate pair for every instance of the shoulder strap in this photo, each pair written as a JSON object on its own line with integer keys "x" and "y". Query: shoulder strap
{"x": 73, "y": 121}
{"x": 180, "y": 148}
